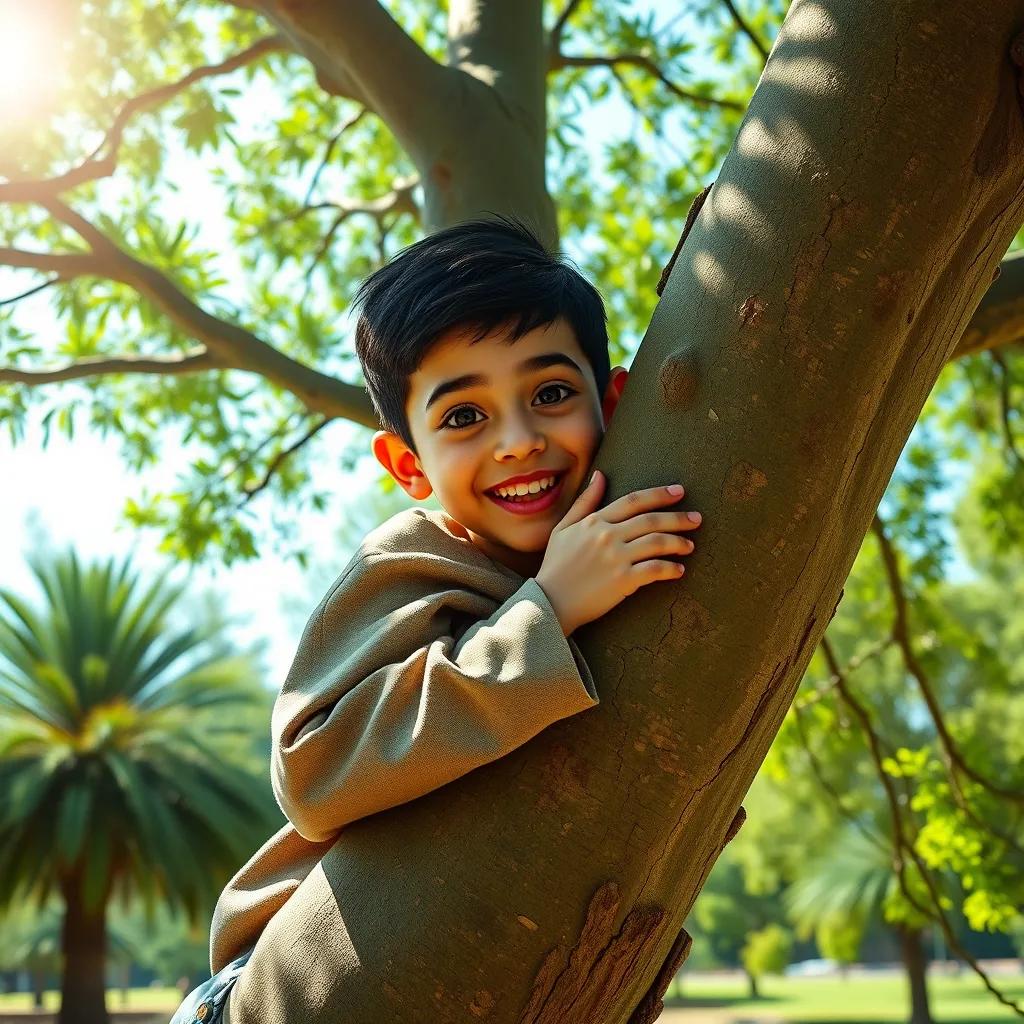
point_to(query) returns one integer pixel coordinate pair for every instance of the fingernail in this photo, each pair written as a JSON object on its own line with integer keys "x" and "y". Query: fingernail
{"x": 593, "y": 478}
{"x": 675, "y": 488}
{"x": 694, "y": 517}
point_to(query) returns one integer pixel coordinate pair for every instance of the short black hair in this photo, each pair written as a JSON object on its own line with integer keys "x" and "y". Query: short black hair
{"x": 481, "y": 273}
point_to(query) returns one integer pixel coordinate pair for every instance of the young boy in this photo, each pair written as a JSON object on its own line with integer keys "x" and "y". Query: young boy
{"x": 445, "y": 643}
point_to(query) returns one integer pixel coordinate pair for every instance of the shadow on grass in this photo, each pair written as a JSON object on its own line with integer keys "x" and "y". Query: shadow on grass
{"x": 682, "y": 1001}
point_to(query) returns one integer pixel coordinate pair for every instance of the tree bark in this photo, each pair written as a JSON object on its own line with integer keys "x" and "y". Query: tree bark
{"x": 494, "y": 82}
{"x": 915, "y": 961}
{"x": 853, "y": 229}
{"x": 84, "y": 948}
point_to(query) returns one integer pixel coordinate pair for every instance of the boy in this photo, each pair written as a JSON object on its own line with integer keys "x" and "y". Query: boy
{"x": 445, "y": 643}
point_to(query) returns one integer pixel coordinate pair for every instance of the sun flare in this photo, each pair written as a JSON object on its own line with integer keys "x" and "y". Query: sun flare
{"x": 30, "y": 58}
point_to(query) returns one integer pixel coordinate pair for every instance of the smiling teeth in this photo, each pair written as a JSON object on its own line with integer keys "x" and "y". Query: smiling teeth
{"x": 534, "y": 487}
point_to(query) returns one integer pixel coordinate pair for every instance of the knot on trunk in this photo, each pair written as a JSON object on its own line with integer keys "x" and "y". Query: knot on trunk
{"x": 678, "y": 381}
{"x": 734, "y": 826}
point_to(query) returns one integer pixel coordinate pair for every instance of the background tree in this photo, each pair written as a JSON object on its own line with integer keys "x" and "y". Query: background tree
{"x": 766, "y": 952}
{"x": 123, "y": 757}
{"x": 848, "y": 885}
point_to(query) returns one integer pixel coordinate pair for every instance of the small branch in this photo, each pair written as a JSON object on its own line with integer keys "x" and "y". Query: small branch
{"x": 398, "y": 200}
{"x": 96, "y": 366}
{"x": 644, "y": 63}
{"x": 901, "y": 634}
{"x": 251, "y": 492}
{"x": 902, "y": 843}
{"x": 329, "y": 152}
{"x": 747, "y": 30}
{"x": 819, "y": 690}
{"x": 96, "y": 166}
{"x": 558, "y": 29}
{"x": 31, "y": 291}
{"x": 818, "y": 771}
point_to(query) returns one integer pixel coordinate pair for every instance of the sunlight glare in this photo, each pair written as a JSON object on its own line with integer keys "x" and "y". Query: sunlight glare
{"x": 30, "y": 61}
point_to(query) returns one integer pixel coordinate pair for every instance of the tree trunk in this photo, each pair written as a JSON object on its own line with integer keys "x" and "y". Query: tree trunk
{"x": 916, "y": 962}
{"x": 38, "y": 977}
{"x": 752, "y": 980}
{"x": 874, "y": 185}
{"x": 84, "y": 949}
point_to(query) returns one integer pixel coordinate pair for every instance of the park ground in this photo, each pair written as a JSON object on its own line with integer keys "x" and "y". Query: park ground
{"x": 700, "y": 999}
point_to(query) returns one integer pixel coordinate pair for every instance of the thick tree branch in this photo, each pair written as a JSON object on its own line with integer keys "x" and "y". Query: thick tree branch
{"x": 360, "y": 45}
{"x": 229, "y": 345}
{"x": 644, "y": 63}
{"x": 999, "y": 318}
{"x": 901, "y": 634}
{"x": 102, "y": 162}
{"x": 66, "y": 265}
{"x": 503, "y": 46}
{"x": 745, "y": 28}
{"x": 189, "y": 362}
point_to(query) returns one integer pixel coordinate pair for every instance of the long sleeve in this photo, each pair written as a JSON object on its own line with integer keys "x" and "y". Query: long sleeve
{"x": 407, "y": 678}
{"x": 424, "y": 660}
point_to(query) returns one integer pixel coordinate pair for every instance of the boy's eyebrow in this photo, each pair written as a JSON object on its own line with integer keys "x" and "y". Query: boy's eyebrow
{"x": 472, "y": 380}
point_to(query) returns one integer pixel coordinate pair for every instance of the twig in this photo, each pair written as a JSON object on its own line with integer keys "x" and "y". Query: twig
{"x": 747, "y": 30}
{"x": 901, "y": 634}
{"x": 639, "y": 60}
{"x": 31, "y": 291}
{"x": 251, "y": 492}
{"x": 936, "y": 913}
{"x": 94, "y": 166}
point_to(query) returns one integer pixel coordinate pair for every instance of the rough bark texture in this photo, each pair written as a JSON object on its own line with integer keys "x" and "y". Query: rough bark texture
{"x": 848, "y": 238}
{"x": 84, "y": 940}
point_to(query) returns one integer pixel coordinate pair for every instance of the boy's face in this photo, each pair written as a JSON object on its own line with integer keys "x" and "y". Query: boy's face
{"x": 514, "y": 422}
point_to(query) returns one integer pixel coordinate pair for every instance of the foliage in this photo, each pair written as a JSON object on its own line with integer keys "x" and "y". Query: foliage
{"x": 230, "y": 189}
{"x": 123, "y": 743}
{"x": 767, "y": 951}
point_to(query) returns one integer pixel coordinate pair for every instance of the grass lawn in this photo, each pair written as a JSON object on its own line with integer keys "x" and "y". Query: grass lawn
{"x": 138, "y": 999}
{"x": 858, "y": 1000}
{"x": 706, "y": 998}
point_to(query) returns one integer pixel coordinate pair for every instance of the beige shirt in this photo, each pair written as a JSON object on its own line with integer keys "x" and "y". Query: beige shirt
{"x": 425, "y": 660}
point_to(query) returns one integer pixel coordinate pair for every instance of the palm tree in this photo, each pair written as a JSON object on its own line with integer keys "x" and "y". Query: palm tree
{"x": 853, "y": 880}
{"x": 124, "y": 742}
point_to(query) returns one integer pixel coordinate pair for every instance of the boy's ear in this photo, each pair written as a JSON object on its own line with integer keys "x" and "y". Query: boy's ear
{"x": 612, "y": 394}
{"x": 399, "y": 460}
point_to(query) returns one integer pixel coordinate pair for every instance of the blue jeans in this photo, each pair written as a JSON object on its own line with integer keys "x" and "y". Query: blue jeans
{"x": 205, "y": 1003}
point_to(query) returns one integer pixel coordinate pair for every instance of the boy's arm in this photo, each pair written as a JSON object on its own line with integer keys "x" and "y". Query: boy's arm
{"x": 383, "y": 704}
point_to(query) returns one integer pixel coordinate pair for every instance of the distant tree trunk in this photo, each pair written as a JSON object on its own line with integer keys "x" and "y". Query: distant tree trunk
{"x": 754, "y": 991}
{"x": 915, "y": 961}
{"x": 84, "y": 948}
{"x": 851, "y": 232}
{"x": 38, "y": 979}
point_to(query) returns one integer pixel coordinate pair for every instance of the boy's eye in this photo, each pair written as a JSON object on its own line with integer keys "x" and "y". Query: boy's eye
{"x": 446, "y": 425}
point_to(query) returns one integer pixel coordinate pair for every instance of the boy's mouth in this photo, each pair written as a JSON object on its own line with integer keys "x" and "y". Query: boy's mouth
{"x": 532, "y": 503}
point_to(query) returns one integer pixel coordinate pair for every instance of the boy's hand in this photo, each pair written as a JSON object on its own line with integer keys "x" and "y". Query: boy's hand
{"x": 594, "y": 559}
